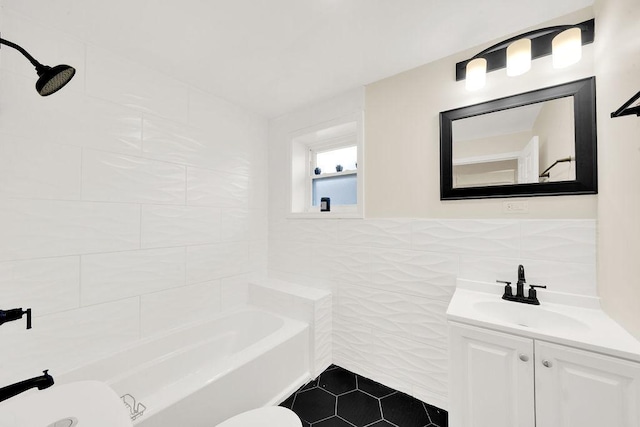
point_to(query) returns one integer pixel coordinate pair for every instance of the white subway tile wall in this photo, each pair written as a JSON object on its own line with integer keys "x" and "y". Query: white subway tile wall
{"x": 124, "y": 203}
{"x": 393, "y": 279}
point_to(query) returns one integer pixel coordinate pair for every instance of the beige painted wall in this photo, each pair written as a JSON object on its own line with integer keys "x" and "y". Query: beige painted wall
{"x": 402, "y": 137}
{"x": 618, "y": 68}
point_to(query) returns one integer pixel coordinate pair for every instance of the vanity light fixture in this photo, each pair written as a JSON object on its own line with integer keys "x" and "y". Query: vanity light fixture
{"x": 51, "y": 79}
{"x": 516, "y": 53}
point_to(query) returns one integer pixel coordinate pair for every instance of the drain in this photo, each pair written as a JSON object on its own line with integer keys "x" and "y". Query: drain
{"x": 65, "y": 422}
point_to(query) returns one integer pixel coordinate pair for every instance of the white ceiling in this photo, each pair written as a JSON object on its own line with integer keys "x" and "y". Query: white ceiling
{"x": 273, "y": 56}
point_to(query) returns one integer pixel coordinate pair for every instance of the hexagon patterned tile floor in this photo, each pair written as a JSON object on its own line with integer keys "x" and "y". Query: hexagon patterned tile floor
{"x": 341, "y": 398}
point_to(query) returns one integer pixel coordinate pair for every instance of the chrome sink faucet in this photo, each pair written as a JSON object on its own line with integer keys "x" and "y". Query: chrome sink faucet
{"x": 532, "y": 298}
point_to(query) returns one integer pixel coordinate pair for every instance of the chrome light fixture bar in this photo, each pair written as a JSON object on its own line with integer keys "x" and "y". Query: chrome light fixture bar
{"x": 516, "y": 53}
{"x": 51, "y": 79}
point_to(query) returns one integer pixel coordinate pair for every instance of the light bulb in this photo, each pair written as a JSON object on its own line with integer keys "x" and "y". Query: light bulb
{"x": 567, "y": 47}
{"x": 476, "y": 74}
{"x": 519, "y": 57}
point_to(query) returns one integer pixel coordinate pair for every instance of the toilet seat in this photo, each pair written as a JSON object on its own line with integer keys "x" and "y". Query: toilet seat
{"x": 273, "y": 416}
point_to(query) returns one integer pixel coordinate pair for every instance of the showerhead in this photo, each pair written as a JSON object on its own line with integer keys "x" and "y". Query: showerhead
{"x": 52, "y": 79}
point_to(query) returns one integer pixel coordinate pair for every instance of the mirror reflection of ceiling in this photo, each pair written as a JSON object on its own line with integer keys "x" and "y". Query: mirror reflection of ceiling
{"x": 278, "y": 55}
{"x": 503, "y": 122}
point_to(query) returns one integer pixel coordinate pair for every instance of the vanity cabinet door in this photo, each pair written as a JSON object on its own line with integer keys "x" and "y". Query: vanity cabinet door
{"x": 576, "y": 388}
{"x": 491, "y": 379}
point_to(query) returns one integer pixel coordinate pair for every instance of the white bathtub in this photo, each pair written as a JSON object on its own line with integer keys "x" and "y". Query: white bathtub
{"x": 206, "y": 373}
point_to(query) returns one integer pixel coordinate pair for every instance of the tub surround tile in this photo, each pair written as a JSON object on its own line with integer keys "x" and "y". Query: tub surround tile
{"x": 65, "y": 340}
{"x": 220, "y": 189}
{"x": 94, "y": 215}
{"x": 208, "y": 262}
{"x": 38, "y": 170}
{"x": 170, "y": 309}
{"x": 119, "y": 275}
{"x": 39, "y": 228}
{"x": 165, "y": 226}
{"x": 119, "y": 178}
{"x": 111, "y": 77}
{"x": 47, "y": 285}
{"x": 74, "y": 119}
{"x": 340, "y": 397}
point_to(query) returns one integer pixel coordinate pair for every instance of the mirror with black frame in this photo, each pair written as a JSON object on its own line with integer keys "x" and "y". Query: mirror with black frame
{"x": 539, "y": 143}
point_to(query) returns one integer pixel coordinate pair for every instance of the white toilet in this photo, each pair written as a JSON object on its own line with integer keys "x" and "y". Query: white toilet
{"x": 273, "y": 416}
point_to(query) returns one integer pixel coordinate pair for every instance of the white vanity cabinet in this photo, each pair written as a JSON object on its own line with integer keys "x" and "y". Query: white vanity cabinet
{"x": 581, "y": 388}
{"x": 491, "y": 378}
{"x": 504, "y": 380}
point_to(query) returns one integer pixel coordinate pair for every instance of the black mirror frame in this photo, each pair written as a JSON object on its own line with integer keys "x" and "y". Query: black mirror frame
{"x": 584, "y": 107}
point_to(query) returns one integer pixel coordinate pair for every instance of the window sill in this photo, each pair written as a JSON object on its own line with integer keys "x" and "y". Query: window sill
{"x": 325, "y": 215}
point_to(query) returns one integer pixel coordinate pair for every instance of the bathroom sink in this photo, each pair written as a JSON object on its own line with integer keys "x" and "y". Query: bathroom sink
{"x": 528, "y": 316}
{"x": 82, "y": 403}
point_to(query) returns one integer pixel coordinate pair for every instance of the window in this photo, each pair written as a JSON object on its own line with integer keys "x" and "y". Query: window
{"x": 326, "y": 161}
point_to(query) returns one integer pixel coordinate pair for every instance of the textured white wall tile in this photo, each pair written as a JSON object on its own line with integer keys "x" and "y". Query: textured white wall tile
{"x": 488, "y": 269}
{"x": 118, "y": 275}
{"x": 38, "y": 39}
{"x": 425, "y": 274}
{"x": 179, "y": 226}
{"x": 221, "y": 189}
{"x": 389, "y": 233}
{"x": 229, "y": 121}
{"x": 173, "y": 308}
{"x": 323, "y": 334}
{"x": 481, "y": 237}
{"x": 303, "y": 230}
{"x": 34, "y": 228}
{"x": 208, "y": 262}
{"x": 435, "y": 399}
{"x": 70, "y": 118}
{"x": 343, "y": 264}
{"x": 235, "y": 291}
{"x": 567, "y": 277}
{"x": 118, "y": 178}
{"x": 259, "y": 256}
{"x": 412, "y": 362}
{"x": 102, "y": 125}
{"x": 235, "y": 224}
{"x": 560, "y": 240}
{"x": 258, "y": 223}
{"x": 68, "y": 339}
{"x": 290, "y": 257}
{"x": 271, "y": 299}
{"x": 116, "y": 79}
{"x": 38, "y": 170}
{"x": 175, "y": 142}
{"x": 45, "y": 285}
{"x": 352, "y": 342}
{"x": 404, "y": 315}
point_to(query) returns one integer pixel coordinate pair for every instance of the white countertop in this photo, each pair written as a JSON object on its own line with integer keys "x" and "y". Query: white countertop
{"x": 560, "y": 318}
